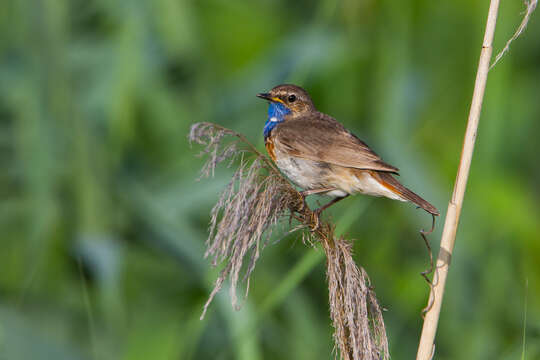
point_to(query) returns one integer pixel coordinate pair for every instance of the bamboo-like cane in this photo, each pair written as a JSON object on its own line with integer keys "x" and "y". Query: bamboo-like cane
{"x": 426, "y": 346}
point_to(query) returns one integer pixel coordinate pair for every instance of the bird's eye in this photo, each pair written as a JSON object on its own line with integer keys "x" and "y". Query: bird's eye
{"x": 292, "y": 98}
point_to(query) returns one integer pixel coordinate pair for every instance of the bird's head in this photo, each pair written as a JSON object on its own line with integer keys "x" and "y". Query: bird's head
{"x": 293, "y": 98}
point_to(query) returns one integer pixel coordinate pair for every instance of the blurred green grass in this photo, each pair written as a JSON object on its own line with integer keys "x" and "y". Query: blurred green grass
{"x": 103, "y": 222}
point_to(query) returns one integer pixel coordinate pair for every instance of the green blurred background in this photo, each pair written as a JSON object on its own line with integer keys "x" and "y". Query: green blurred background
{"x": 103, "y": 222}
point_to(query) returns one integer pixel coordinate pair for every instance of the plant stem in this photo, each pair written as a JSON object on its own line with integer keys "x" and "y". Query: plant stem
{"x": 426, "y": 346}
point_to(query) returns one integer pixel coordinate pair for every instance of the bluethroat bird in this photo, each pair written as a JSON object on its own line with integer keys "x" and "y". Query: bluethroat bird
{"x": 321, "y": 156}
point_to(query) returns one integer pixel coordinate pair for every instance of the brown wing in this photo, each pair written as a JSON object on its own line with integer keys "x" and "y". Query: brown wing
{"x": 321, "y": 138}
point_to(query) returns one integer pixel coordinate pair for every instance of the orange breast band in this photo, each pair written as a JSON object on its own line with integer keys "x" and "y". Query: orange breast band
{"x": 270, "y": 148}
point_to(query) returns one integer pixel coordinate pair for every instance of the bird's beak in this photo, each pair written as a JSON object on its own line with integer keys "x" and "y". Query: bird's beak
{"x": 267, "y": 96}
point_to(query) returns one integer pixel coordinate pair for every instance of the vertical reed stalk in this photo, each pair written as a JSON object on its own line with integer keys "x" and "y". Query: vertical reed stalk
{"x": 426, "y": 346}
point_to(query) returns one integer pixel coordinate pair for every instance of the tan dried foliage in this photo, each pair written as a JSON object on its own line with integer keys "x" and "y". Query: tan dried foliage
{"x": 357, "y": 317}
{"x": 252, "y": 204}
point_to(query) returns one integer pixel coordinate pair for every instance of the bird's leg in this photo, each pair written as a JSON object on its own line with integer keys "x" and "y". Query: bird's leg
{"x": 311, "y": 192}
{"x": 317, "y": 212}
{"x": 335, "y": 200}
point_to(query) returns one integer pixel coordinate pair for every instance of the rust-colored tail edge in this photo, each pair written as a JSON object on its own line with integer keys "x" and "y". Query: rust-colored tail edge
{"x": 389, "y": 182}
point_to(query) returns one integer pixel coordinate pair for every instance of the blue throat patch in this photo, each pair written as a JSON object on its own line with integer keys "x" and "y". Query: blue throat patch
{"x": 276, "y": 115}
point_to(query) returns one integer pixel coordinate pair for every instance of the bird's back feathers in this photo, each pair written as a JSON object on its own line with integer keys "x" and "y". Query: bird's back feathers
{"x": 317, "y": 136}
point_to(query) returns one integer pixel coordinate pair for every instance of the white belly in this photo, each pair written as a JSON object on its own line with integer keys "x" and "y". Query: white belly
{"x": 307, "y": 174}
{"x": 314, "y": 175}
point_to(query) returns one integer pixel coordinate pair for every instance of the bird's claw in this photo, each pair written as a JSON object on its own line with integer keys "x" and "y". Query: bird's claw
{"x": 303, "y": 205}
{"x": 316, "y": 217}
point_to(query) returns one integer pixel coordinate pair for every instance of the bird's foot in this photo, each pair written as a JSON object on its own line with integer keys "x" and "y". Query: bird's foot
{"x": 316, "y": 218}
{"x": 303, "y": 205}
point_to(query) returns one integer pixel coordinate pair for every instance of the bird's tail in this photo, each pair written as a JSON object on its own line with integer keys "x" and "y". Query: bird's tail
{"x": 387, "y": 180}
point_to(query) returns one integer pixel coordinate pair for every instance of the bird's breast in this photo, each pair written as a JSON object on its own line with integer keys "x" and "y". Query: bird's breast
{"x": 307, "y": 174}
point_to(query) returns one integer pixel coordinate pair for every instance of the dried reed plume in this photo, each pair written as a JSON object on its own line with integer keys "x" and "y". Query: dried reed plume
{"x": 357, "y": 317}
{"x": 252, "y": 204}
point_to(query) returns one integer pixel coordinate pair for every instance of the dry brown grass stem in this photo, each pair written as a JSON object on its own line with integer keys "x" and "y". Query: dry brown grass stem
{"x": 426, "y": 347}
{"x": 256, "y": 199}
{"x": 358, "y": 322}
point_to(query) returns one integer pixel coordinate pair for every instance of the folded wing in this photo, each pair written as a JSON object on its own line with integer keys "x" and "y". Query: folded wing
{"x": 319, "y": 137}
